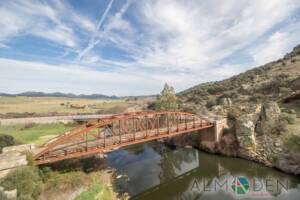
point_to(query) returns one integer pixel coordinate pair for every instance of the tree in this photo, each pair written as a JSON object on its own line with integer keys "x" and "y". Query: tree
{"x": 167, "y": 100}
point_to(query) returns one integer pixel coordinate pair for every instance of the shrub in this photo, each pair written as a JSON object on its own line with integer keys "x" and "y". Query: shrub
{"x": 292, "y": 141}
{"x": 211, "y": 103}
{"x": 215, "y": 90}
{"x": 26, "y": 180}
{"x": 30, "y": 158}
{"x": 289, "y": 118}
{"x": 234, "y": 113}
{"x": 152, "y": 106}
{"x": 6, "y": 140}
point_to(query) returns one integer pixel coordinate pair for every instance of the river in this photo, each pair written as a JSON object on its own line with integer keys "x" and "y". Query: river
{"x": 156, "y": 171}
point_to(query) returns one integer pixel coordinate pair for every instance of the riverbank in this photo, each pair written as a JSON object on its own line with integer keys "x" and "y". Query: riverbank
{"x": 87, "y": 178}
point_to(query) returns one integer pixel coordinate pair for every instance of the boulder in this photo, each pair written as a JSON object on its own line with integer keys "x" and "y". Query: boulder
{"x": 268, "y": 118}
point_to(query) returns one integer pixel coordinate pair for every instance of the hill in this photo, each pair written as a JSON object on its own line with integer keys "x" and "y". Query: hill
{"x": 274, "y": 81}
{"x": 262, "y": 108}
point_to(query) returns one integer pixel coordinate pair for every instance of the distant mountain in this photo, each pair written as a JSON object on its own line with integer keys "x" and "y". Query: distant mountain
{"x": 59, "y": 94}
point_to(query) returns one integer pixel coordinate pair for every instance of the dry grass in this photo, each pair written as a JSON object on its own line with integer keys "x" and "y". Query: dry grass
{"x": 47, "y": 105}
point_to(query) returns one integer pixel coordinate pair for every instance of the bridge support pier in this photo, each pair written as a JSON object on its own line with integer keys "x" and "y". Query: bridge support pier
{"x": 219, "y": 126}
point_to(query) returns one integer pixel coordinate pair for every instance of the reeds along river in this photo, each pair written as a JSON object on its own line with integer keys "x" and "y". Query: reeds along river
{"x": 155, "y": 171}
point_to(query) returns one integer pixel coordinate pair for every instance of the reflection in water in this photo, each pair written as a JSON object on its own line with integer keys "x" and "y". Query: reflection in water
{"x": 157, "y": 172}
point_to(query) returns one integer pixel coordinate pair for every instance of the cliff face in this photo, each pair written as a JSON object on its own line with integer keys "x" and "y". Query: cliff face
{"x": 265, "y": 137}
{"x": 263, "y": 110}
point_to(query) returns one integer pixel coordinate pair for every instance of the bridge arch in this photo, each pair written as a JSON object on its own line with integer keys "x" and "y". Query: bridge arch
{"x": 116, "y": 131}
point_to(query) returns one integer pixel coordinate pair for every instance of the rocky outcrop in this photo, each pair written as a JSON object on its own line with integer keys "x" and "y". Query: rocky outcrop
{"x": 258, "y": 137}
{"x": 268, "y": 119}
{"x": 244, "y": 129}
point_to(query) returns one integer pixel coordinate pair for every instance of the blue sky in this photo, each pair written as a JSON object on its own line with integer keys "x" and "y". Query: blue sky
{"x": 132, "y": 47}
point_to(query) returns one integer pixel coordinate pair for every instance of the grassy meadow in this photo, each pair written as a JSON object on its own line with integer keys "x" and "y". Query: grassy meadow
{"x": 35, "y": 133}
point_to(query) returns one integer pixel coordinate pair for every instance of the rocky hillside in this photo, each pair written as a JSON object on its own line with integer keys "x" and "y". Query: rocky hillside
{"x": 274, "y": 81}
{"x": 262, "y": 107}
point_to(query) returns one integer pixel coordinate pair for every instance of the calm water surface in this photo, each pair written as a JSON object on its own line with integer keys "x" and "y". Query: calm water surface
{"x": 155, "y": 171}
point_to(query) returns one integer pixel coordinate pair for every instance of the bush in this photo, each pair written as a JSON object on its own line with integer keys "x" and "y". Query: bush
{"x": 292, "y": 141}
{"x": 153, "y": 106}
{"x": 26, "y": 180}
{"x": 6, "y": 140}
{"x": 289, "y": 118}
{"x": 30, "y": 158}
{"x": 211, "y": 103}
{"x": 215, "y": 90}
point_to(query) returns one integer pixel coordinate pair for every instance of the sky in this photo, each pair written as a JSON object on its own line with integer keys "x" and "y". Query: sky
{"x": 132, "y": 47}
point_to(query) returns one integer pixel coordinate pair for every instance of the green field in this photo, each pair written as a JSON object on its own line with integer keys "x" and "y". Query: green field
{"x": 35, "y": 133}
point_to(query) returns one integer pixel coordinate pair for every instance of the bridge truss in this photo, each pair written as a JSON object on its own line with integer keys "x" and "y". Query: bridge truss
{"x": 116, "y": 131}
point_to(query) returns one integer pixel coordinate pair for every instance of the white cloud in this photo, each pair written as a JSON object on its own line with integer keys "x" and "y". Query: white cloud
{"x": 199, "y": 36}
{"x": 181, "y": 42}
{"x": 17, "y": 76}
{"x": 43, "y": 20}
{"x": 276, "y": 45}
{"x": 93, "y": 40}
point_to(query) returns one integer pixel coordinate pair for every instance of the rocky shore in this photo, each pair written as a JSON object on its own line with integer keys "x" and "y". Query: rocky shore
{"x": 261, "y": 136}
